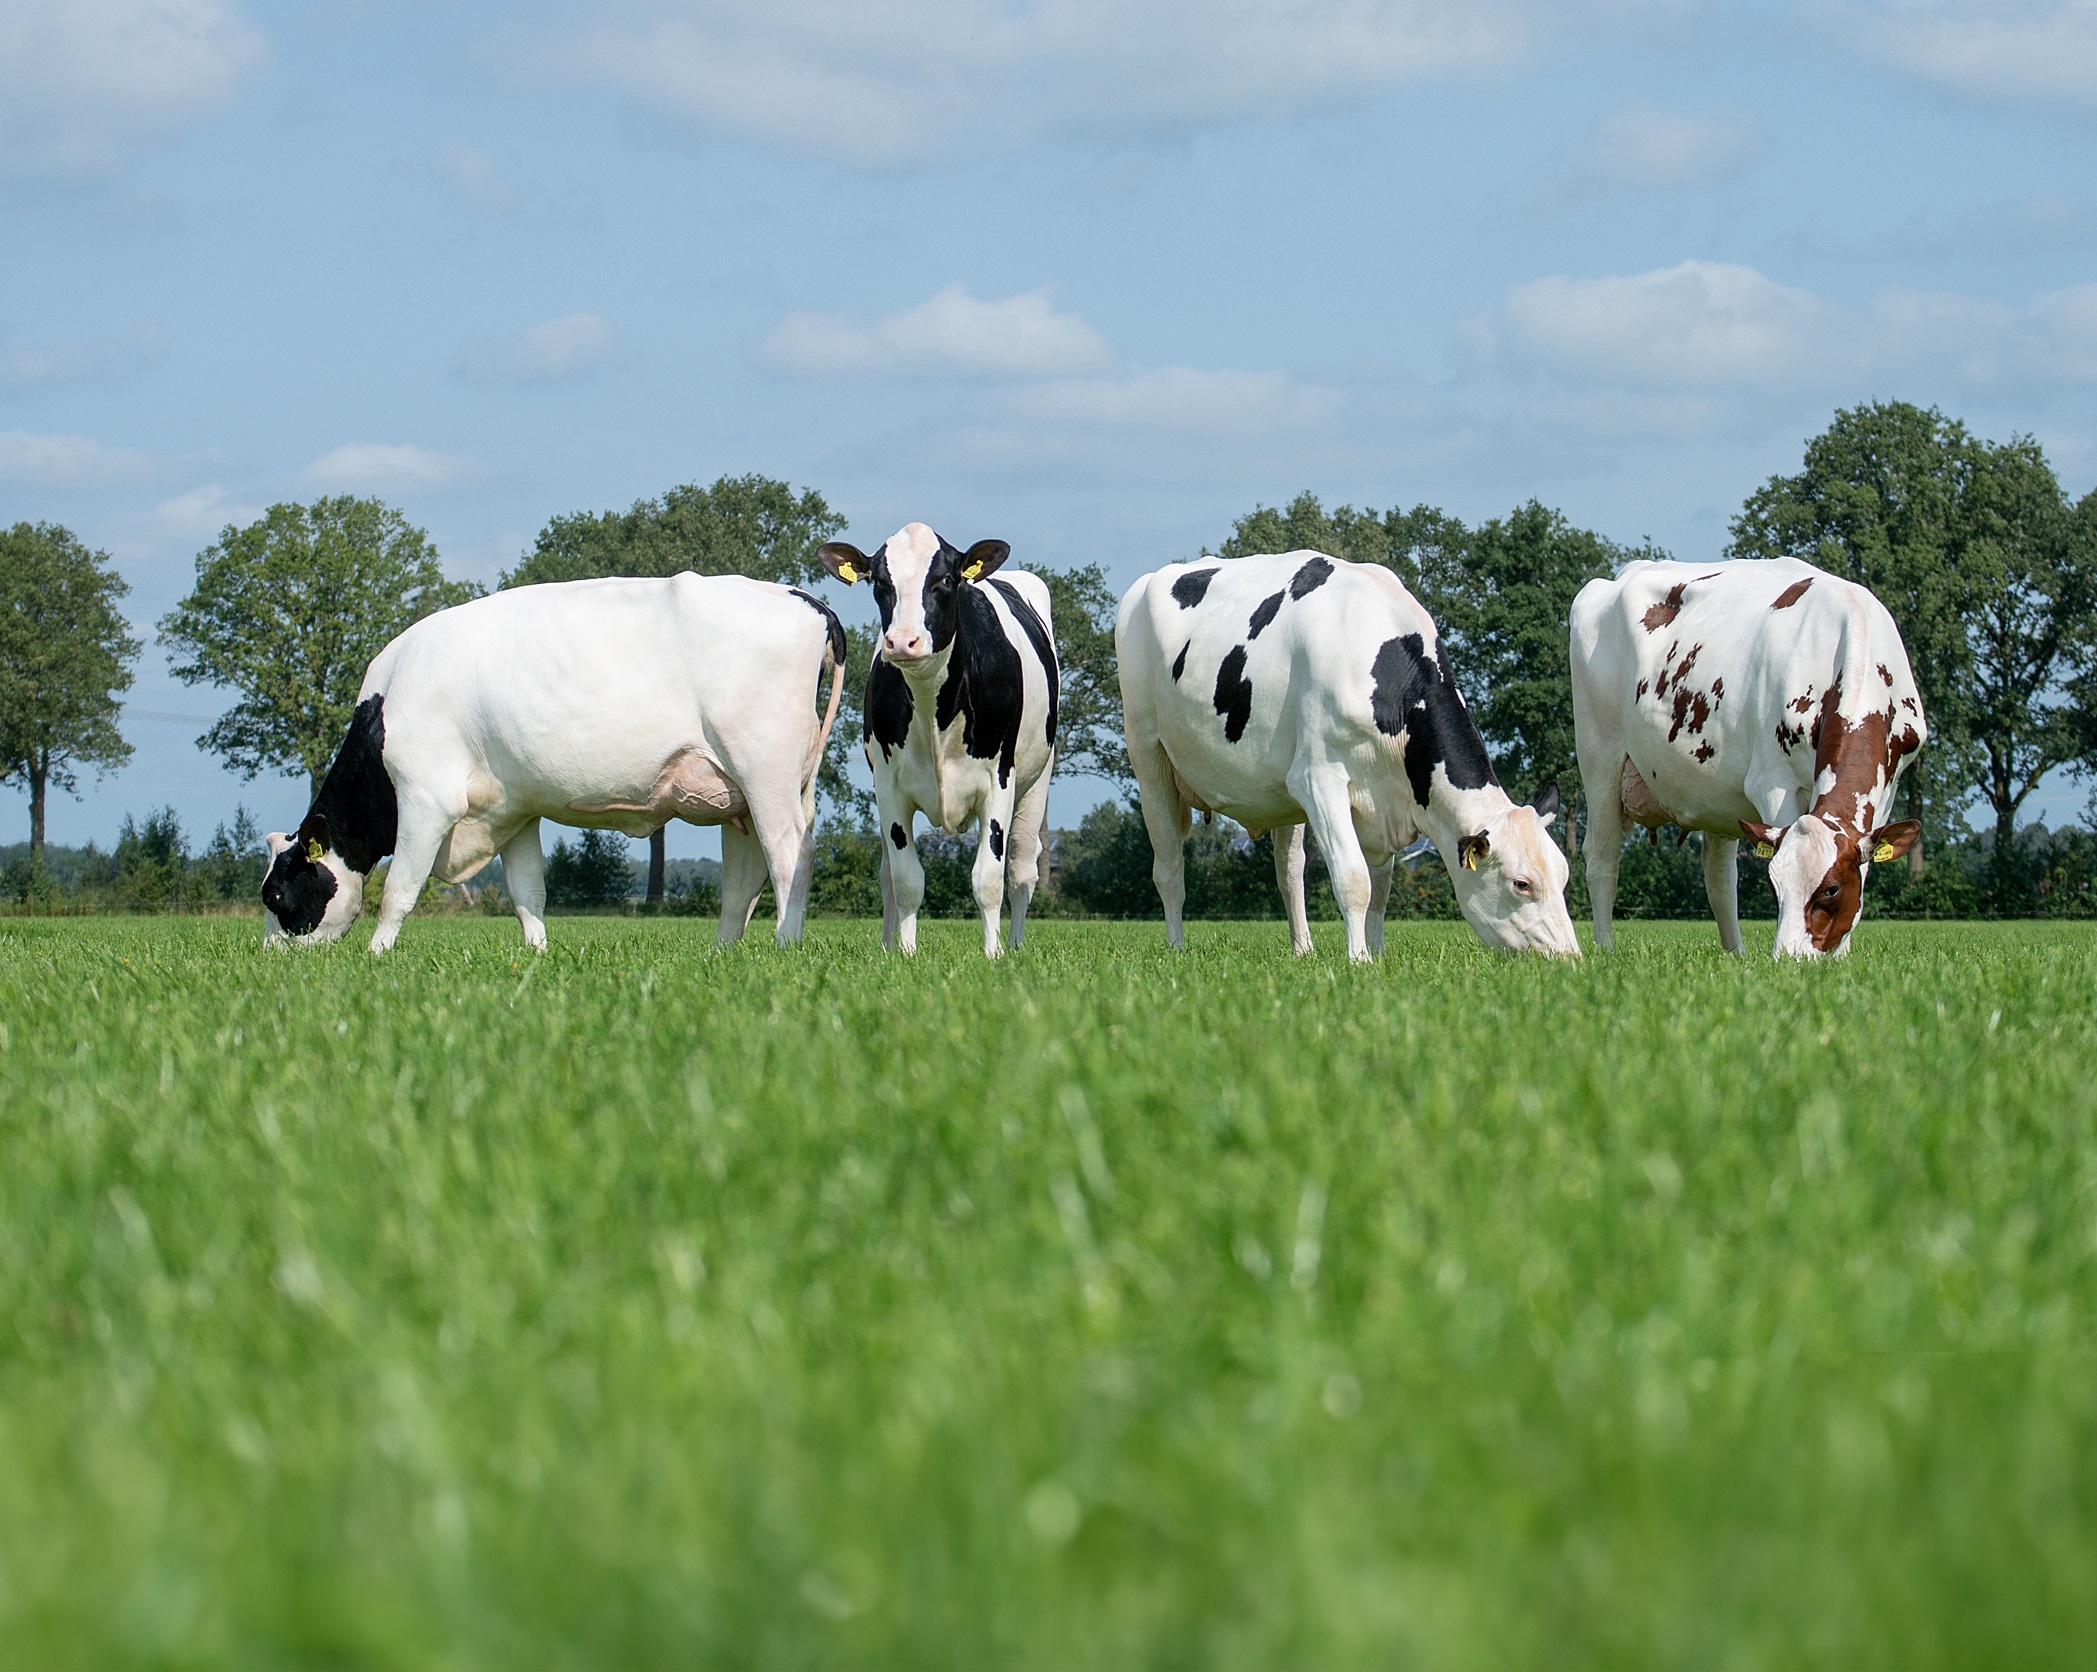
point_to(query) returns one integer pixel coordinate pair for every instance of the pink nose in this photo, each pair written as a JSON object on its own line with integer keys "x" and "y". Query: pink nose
{"x": 905, "y": 644}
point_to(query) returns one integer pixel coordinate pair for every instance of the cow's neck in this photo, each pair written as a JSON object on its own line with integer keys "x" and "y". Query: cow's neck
{"x": 1452, "y": 814}
{"x": 1854, "y": 749}
{"x": 356, "y": 797}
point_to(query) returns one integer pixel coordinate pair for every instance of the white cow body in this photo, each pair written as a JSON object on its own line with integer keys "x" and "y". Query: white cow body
{"x": 1296, "y": 688}
{"x": 618, "y": 704}
{"x": 960, "y": 717}
{"x": 1761, "y": 696}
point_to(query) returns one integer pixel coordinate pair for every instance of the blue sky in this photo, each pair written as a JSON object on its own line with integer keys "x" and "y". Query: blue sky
{"x": 1093, "y": 279}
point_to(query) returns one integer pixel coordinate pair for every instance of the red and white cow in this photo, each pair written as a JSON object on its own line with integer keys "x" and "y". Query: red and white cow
{"x": 1768, "y": 699}
{"x": 1292, "y": 688}
{"x": 619, "y": 704}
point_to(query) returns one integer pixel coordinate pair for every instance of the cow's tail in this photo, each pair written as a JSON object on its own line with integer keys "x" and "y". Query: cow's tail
{"x": 834, "y": 659}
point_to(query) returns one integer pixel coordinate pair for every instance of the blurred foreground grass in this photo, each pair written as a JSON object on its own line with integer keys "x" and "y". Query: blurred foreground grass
{"x": 649, "y": 1304}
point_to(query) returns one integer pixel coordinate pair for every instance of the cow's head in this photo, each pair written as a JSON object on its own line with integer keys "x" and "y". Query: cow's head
{"x": 309, "y": 895}
{"x": 917, "y": 577}
{"x": 1510, "y": 880}
{"x": 1817, "y": 866}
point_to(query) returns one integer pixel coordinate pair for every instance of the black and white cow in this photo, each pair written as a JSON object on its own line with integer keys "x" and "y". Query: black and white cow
{"x": 960, "y": 716}
{"x": 1296, "y": 688}
{"x": 1766, "y": 699}
{"x": 618, "y": 704}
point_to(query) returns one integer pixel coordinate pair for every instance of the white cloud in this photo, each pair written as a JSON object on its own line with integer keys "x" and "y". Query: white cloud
{"x": 572, "y": 345}
{"x": 368, "y": 466}
{"x": 875, "y": 83}
{"x": 1180, "y": 398}
{"x": 952, "y": 334}
{"x": 2022, "y": 51}
{"x": 69, "y": 460}
{"x": 1697, "y": 323}
{"x": 84, "y": 83}
{"x": 1641, "y": 147}
{"x": 95, "y": 359}
{"x": 473, "y": 179}
{"x": 203, "y": 511}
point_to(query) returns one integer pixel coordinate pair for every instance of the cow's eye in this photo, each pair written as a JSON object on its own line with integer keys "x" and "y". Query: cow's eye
{"x": 1522, "y": 885}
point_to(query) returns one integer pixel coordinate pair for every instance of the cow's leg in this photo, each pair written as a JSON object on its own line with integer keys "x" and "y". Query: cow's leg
{"x": 907, "y": 873}
{"x": 787, "y": 843}
{"x": 421, "y": 835}
{"x": 1379, "y": 897}
{"x": 742, "y": 880}
{"x": 987, "y": 876}
{"x": 1023, "y": 849}
{"x": 1288, "y": 878}
{"x": 1166, "y": 820}
{"x": 888, "y": 901}
{"x": 1603, "y": 843}
{"x": 1321, "y": 791}
{"x": 1722, "y": 887}
{"x": 524, "y": 875}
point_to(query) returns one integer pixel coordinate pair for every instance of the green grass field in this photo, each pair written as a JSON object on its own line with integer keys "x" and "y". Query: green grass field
{"x": 648, "y": 1304}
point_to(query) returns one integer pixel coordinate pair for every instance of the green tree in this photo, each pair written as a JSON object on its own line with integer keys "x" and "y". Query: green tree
{"x": 1990, "y": 574}
{"x": 1088, "y": 708}
{"x": 65, "y": 654}
{"x": 289, "y": 612}
{"x": 742, "y": 525}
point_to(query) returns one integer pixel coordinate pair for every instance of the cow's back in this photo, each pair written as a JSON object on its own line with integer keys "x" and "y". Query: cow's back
{"x": 589, "y": 682}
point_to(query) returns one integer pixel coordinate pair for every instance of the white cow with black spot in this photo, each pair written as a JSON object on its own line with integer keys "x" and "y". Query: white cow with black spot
{"x": 1295, "y": 689}
{"x": 618, "y": 704}
{"x": 1765, "y": 699}
{"x": 960, "y": 717}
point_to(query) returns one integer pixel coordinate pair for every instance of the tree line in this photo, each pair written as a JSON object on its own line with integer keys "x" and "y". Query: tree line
{"x": 1987, "y": 565}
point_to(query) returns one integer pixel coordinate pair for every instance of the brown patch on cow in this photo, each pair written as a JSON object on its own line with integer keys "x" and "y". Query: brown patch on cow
{"x": 1801, "y": 705}
{"x": 1789, "y": 737}
{"x": 1718, "y": 687}
{"x": 1666, "y": 610}
{"x": 1691, "y": 711}
{"x": 1702, "y": 753}
{"x": 1640, "y": 694}
{"x": 1909, "y": 704}
{"x": 1792, "y": 594}
{"x": 1832, "y": 907}
{"x": 1828, "y": 723}
{"x": 1885, "y": 673}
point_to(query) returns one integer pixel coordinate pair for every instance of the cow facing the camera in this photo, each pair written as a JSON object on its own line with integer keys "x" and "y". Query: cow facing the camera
{"x": 1296, "y": 688}
{"x": 960, "y": 717}
{"x": 614, "y": 704}
{"x": 1764, "y": 699}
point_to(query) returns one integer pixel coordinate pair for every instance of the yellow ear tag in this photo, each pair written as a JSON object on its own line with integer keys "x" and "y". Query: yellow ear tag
{"x": 848, "y": 573}
{"x": 313, "y": 849}
{"x": 1882, "y": 853}
{"x": 974, "y": 572}
{"x": 1470, "y": 859}
{"x": 1764, "y": 851}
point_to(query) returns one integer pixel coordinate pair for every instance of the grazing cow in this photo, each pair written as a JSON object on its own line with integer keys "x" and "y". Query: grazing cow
{"x": 960, "y": 716}
{"x": 1297, "y": 688}
{"x": 618, "y": 704}
{"x": 1764, "y": 698}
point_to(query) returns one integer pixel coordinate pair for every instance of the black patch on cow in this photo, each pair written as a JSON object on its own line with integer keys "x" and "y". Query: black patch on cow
{"x": 1314, "y": 574}
{"x": 888, "y": 708}
{"x": 1179, "y": 662}
{"x": 1411, "y": 692}
{"x": 1192, "y": 587}
{"x": 895, "y": 835}
{"x": 835, "y": 627}
{"x": 997, "y": 840}
{"x": 1233, "y": 694}
{"x": 1044, "y": 648}
{"x": 984, "y": 683}
{"x": 356, "y": 816}
{"x": 1268, "y": 609}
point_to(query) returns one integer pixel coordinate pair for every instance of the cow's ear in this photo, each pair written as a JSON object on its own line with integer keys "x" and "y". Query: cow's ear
{"x": 1546, "y": 801}
{"x": 982, "y": 558}
{"x": 276, "y": 842}
{"x": 313, "y": 836}
{"x": 1471, "y": 849}
{"x": 1765, "y": 837}
{"x": 847, "y": 562}
{"x": 1890, "y": 841}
